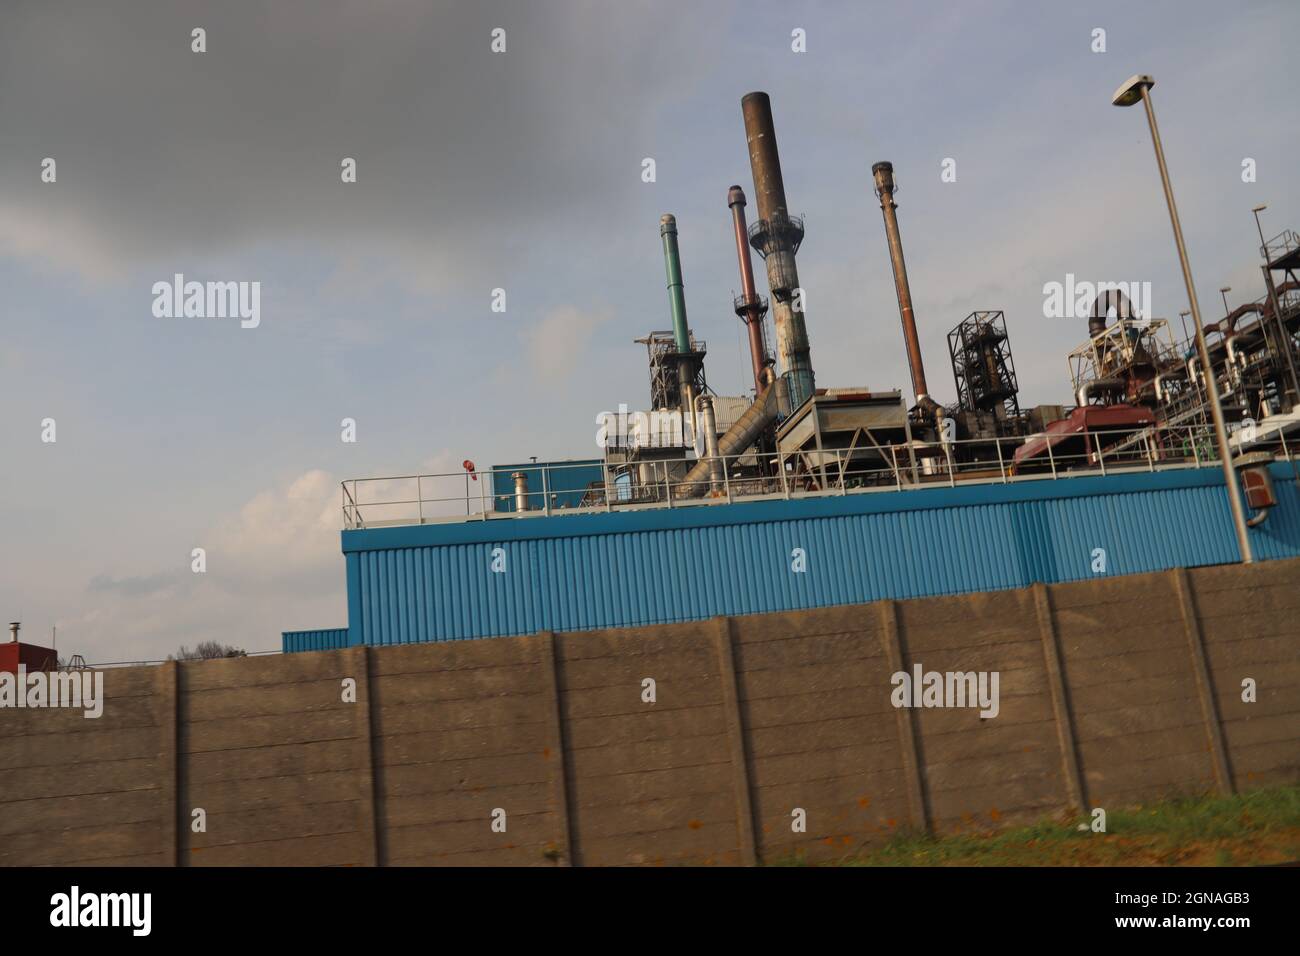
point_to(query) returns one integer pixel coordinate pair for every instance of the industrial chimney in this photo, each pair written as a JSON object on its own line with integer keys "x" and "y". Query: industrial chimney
{"x": 884, "y": 177}
{"x": 777, "y": 235}
{"x": 687, "y": 360}
{"x": 750, "y": 306}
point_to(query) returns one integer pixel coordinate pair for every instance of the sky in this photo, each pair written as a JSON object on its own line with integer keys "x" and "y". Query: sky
{"x": 522, "y": 170}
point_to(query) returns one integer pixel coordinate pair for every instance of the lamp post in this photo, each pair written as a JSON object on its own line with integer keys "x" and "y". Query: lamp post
{"x": 1137, "y": 89}
{"x": 1223, "y": 291}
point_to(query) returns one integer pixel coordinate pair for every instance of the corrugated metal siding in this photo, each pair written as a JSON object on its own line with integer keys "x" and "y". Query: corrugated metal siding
{"x": 327, "y": 640}
{"x": 624, "y": 569}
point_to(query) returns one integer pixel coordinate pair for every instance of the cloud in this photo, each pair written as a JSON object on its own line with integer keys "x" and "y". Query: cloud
{"x": 557, "y": 343}
{"x": 282, "y": 537}
{"x": 130, "y": 587}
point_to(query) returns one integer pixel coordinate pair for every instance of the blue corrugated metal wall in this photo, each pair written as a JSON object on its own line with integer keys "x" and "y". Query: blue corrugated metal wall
{"x": 622, "y": 569}
{"x": 326, "y": 640}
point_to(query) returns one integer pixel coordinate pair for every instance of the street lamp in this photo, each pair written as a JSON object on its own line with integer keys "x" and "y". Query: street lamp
{"x": 1137, "y": 89}
{"x": 1223, "y": 291}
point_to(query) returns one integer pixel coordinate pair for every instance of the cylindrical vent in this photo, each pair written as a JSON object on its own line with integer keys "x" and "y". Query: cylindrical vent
{"x": 776, "y": 235}
{"x": 709, "y": 425}
{"x": 13, "y": 631}
{"x": 521, "y": 490}
{"x": 883, "y": 173}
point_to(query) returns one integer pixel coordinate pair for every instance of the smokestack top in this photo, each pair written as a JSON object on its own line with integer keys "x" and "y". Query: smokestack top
{"x": 735, "y": 195}
{"x": 667, "y": 223}
{"x": 883, "y": 173}
{"x": 758, "y": 96}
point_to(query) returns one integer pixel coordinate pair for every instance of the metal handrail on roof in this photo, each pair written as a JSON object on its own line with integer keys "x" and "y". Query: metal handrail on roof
{"x": 402, "y": 500}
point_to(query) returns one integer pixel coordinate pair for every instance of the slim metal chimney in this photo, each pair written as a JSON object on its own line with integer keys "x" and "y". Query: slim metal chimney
{"x": 777, "y": 235}
{"x": 750, "y": 306}
{"x": 13, "y": 631}
{"x": 884, "y": 176}
{"x": 677, "y": 302}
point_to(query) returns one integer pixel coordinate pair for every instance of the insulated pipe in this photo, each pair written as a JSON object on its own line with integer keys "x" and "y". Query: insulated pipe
{"x": 883, "y": 173}
{"x": 749, "y": 307}
{"x": 778, "y": 240}
{"x": 709, "y": 423}
{"x": 1234, "y": 365}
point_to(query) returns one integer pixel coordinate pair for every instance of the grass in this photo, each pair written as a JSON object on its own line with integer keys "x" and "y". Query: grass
{"x": 1259, "y": 827}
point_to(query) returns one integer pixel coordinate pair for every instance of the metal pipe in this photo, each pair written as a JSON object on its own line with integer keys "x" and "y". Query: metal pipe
{"x": 776, "y": 237}
{"x": 749, "y": 306}
{"x": 883, "y": 173}
{"x": 1230, "y": 480}
{"x": 1096, "y": 385}
{"x": 13, "y": 632}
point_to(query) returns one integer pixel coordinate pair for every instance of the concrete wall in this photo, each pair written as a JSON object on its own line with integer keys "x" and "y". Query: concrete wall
{"x": 1113, "y": 691}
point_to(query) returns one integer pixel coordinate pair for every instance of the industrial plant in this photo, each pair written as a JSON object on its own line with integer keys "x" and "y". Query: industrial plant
{"x": 1166, "y": 420}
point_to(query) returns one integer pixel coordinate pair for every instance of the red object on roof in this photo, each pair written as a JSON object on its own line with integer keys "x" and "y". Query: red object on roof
{"x": 30, "y": 656}
{"x": 1088, "y": 418}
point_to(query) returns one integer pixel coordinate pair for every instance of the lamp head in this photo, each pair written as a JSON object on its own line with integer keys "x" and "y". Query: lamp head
{"x": 1130, "y": 92}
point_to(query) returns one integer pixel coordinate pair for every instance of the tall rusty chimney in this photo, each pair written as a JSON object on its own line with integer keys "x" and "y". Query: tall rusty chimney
{"x": 884, "y": 176}
{"x": 750, "y": 306}
{"x": 777, "y": 235}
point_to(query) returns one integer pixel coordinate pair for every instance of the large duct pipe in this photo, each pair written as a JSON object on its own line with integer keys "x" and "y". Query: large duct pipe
{"x": 776, "y": 236}
{"x": 883, "y": 173}
{"x": 677, "y": 303}
{"x": 739, "y": 437}
{"x": 1101, "y": 305}
{"x": 749, "y": 306}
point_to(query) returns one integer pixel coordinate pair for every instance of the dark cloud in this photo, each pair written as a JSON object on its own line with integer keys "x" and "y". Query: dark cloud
{"x": 460, "y": 151}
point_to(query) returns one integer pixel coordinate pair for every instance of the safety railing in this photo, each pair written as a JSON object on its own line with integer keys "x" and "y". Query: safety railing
{"x": 437, "y": 498}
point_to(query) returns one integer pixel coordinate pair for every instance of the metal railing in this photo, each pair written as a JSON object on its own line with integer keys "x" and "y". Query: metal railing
{"x": 1280, "y": 245}
{"x": 438, "y": 498}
